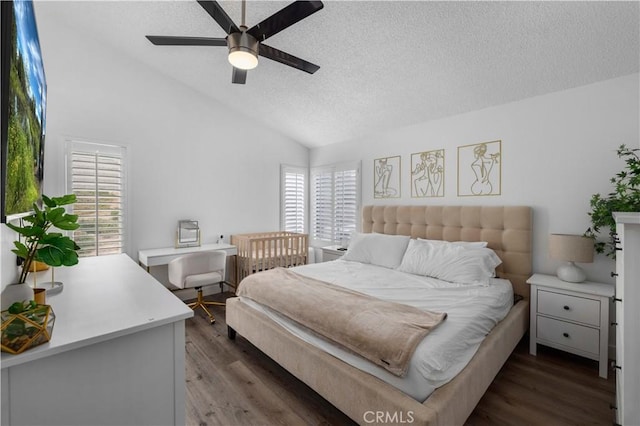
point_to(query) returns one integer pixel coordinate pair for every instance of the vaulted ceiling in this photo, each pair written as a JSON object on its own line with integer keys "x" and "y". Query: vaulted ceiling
{"x": 384, "y": 64}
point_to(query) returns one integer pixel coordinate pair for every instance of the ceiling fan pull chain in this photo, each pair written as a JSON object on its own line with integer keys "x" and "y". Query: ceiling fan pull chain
{"x": 244, "y": 12}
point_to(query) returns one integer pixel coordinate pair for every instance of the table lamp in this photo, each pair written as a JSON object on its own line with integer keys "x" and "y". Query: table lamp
{"x": 571, "y": 249}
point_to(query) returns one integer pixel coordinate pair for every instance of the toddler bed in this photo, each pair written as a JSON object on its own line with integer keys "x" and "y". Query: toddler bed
{"x": 267, "y": 250}
{"x": 361, "y": 389}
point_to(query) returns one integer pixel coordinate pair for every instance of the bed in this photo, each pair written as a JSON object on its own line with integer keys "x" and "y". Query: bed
{"x": 360, "y": 394}
{"x": 267, "y": 250}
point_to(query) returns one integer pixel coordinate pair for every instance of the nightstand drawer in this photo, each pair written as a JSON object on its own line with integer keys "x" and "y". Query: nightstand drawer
{"x": 573, "y": 308}
{"x": 328, "y": 256}
{"x": 575, "y": 336}
{"x": 332, "y": 253}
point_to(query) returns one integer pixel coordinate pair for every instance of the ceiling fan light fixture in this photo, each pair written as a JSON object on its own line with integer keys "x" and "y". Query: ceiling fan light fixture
{"x": 243, "y": 60}
{"x": 243, "y": 50}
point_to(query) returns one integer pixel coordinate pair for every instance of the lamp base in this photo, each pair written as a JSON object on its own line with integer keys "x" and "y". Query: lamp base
{"x": 571, "y": 273}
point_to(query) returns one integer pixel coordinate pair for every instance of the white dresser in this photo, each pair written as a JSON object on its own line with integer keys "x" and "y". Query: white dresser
{"x": 573, "y": 317}
{"x": 116, "y": 355}
{"x": 628, "y": 319}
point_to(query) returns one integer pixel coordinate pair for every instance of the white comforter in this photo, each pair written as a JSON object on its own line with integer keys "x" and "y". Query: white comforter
{"x": 473, "y": 310}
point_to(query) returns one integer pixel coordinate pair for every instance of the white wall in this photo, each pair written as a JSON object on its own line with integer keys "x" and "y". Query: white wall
{"x": 557, "y": 151}
{"x": 189, "y": 157}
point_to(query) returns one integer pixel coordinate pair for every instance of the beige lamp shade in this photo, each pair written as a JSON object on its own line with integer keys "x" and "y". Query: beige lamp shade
{"x": 571, "y": 248}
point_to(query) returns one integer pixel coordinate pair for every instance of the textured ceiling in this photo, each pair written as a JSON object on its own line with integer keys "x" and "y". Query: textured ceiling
{"x": 384, "y": 64}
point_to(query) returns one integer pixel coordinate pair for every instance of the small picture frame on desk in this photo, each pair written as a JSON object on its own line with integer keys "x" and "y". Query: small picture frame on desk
{"x": 187, "y": 234}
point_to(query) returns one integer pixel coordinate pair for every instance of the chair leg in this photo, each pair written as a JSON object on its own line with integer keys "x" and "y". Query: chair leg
{"x": 201, "y": 303}
{"x": 211, "y": 317}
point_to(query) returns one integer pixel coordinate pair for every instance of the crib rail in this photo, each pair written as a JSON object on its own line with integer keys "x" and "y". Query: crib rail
{"x": 268, "y": 250}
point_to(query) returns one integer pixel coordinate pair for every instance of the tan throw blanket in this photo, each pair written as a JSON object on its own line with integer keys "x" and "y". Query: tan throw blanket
{"x": 385, "y": 333}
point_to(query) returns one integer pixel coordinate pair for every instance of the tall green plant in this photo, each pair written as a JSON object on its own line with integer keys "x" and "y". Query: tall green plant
{"x": 51, "y": 248}
{"x": 624, "y": 198}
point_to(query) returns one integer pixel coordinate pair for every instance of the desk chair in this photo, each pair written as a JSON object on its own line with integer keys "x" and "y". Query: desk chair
{"x": 196, "y": 270}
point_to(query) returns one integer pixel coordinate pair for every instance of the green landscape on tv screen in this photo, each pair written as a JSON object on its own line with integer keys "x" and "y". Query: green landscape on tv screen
{"x": 26, "y": 113}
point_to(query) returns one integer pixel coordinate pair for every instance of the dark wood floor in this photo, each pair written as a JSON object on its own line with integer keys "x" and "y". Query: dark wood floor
{"x": 233, "y": 383}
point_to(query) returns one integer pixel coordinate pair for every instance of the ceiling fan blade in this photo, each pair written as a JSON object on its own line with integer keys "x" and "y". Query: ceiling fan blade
{"x": 284, "y": 18}
{"x": 239, "y": 76}
{"x": 219, "y": 15}
{"x": 186, "y": 41}
{"x": 287, "y": 59}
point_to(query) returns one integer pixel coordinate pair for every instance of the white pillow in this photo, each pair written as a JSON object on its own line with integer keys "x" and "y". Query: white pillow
{"x": 377, "y": 249}
{"x": 450, "y": 262}
{"x": 466, "y": 244}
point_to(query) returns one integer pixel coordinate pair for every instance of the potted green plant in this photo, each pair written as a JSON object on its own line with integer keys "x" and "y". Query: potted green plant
{"x": 51, "y": 248}
{"x": 624, "y": 198}
{"x": 27, "y": 324}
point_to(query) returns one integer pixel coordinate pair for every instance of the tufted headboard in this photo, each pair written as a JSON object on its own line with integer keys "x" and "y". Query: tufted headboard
{"x": 507, "y": 229}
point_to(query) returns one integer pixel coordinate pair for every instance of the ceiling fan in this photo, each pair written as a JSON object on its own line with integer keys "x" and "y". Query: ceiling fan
{"x": 245, "y": 44}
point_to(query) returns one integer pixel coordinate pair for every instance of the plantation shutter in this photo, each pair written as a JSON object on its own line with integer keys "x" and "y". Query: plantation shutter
{"x": 96, "y": 176}
{"x": 322, "y": 204}
{"x": 293, "y": 199}
{"x": 346, "y": 203}
{"x": 335, "y": 199}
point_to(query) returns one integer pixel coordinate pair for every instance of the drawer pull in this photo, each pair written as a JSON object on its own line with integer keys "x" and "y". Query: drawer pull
{"x": 613, "y": 274}
{"x": 614, "y": 323}
{"x": 565, "y": 334}
{"x": 566, "y": 308}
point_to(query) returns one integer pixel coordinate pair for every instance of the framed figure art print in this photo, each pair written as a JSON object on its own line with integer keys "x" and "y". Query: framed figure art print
{"x": 480, "y": 169}
{"x": 427, "y": 174}
{"x": 386, "y": 177}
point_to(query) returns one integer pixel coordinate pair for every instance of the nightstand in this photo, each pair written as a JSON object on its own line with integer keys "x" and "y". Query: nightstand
{"x": 332, "y": 253}
{"x": 573, "y": 317}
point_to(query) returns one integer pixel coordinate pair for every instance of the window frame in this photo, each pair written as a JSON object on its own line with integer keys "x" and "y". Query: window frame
{"x": 301, "y": 170}
{"x": 107, "y": 149}
{"x": 334, "y": 170}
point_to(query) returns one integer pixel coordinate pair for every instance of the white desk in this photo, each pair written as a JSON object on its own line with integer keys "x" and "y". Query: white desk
{"x": 162, "y": 256}
{"x": 116, "y": 355}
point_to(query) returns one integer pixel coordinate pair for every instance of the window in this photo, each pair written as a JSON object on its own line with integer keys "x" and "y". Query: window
{"x": 335, "y": 202}
{"x": 293, "y": 198}
{"x": 96, "y": 174}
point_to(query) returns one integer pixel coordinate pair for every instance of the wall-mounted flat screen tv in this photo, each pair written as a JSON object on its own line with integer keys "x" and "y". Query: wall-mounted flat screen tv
{"x": 23, "y": 109}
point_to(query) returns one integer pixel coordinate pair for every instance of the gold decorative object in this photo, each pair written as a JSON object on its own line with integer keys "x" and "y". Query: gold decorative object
{"x": 39, "y": 266}
{"x": 427, "y": 174}
{"x": 39, "y": 295}
{"x": 480, "y": 169}
{"x": 26, "y": 329}
{"x": 386, "y": 177}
